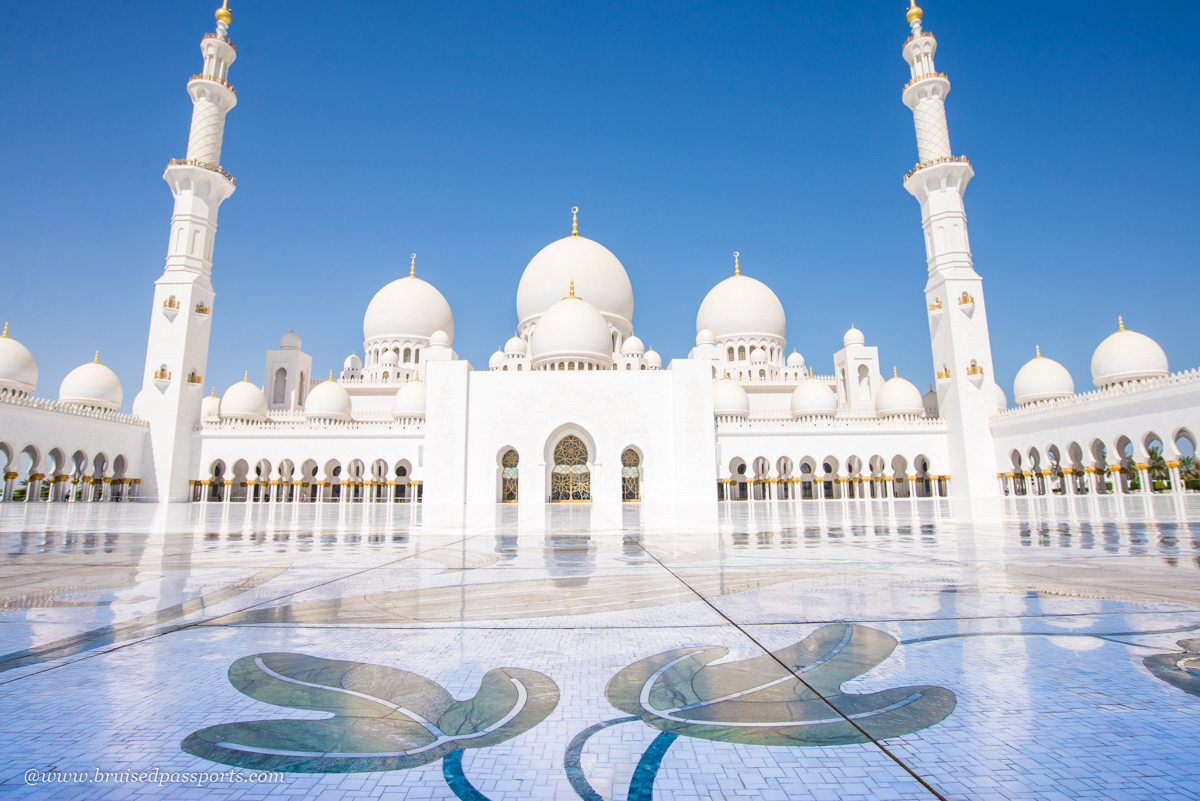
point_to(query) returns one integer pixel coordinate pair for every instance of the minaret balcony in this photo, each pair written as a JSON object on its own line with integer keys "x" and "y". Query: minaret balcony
{"x": 194, "y": 380}
{"x": 925, "y": 77}
{"x": 220, "y": 38}
{"x": 205, "y": 312}
{"x": 162, "y": 380}
{"x": 203, "y": 165}
{"x": 214, "y": 79}
{"x": 170, "y": 308}
{"x": 934, "y": 162}
{"x": 966, "y": 304}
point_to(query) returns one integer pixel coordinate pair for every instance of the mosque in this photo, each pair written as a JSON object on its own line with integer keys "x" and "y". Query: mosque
{"x": 737, "y": 418}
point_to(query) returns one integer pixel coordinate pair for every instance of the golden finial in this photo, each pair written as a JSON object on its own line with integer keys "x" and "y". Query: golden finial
{"x": 5, "y": 334}
{"x": 737, "y": 268}
{"x": 417, "y": 377}
{"x": 574, "y": 221}
{"x": 726, "y": 378}
{"x": 223, "y": 14}
{"x": 330, "y": 375}
{"x": 572, "y": 290}
{"x": 1038, "y": 350}
{"x": 246, "y": 376}
{"x": 214, "y": 392}
{"x": 97, "y": 359}
{"x": 412, "y": 268}
{"x": 914, "y": 12}
{"x": 1120, "y": 323}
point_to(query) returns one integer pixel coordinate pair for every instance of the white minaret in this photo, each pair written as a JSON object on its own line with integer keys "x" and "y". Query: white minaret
{"x": 183, "y": 297}
{"x": 962, "y": 349}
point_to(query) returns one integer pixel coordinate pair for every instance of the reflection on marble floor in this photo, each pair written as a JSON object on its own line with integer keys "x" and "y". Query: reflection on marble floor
{"x": 1035, "y": 648}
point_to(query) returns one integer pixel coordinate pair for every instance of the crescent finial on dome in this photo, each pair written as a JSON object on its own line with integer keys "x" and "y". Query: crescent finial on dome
{"x": 97, "y": 359}
{"x": 246, "y": 376}
{"x": 214, "y": 392}
{"x": 737, "y": 268}
{"x": 574, "y": 221}
{"x": 1038, "y": 350}
{"x": 5, "y": 334}
{"x": 412, "y": 268}
{"x": 1120, "y": 323}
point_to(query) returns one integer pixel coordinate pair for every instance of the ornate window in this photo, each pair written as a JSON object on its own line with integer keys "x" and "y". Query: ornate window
{"x": 742, "y": 353}
{"x": 508, "y": 476}
{"x": 407, "y": 355}
{"x": 571, "y": 480}
{"x": 730, "y": 353}
{"x": 631, "y": 476}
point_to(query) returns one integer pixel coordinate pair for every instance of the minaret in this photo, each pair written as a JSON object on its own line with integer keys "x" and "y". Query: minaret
{"x": 181, "y": 314}
{"x": 962, "y": 350}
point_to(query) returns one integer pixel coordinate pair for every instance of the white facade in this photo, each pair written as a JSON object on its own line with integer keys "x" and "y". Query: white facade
{"x": 574, "y": 407}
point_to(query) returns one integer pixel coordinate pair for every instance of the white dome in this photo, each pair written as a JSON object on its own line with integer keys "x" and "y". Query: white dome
{"x": 729, "y": 399}
{"x": 652, "y": 359}
{"x": 899, "y": 397}
{"x": 794, "y": 359}
{"x": 515, "y": 347}
{"x": 289, "y": 341}
{"x": 243, "y": 401}
{"x": 18, "y": 369}
{"x": 813, "y": 398}
{"x": 742, "y": 306}
{"x": 328, "y": 400}
{"x": 705, "y": 337}
{"x": 633, "y": 347}
{"x": 496, "y": 360}
{"x": 139, "y": 409}
{"x": 853, "y": 337}
{"x": 758, "y": 356}
{"x": 405, "y": 309}
{"x": 1001, "y": 399}
{"x": 439, "y": 339}
{"x": 1127, "y": 356}
{"x": 352, "y": 362}
{"x": 389, "y": 358}
{"x": 598, "y": 275}
{"x": 1042, "y": 379}
{"x": 210, "y": 407}
{"x": 572, "y": 328}
{"x": 91, "y": 385}
{"x": 409, "y": 400}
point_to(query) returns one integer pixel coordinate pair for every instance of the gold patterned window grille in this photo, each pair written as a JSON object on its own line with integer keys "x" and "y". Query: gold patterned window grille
{"x": 571, "y": 480}
{"x": 508, "y": 476}
{"x": 631, "y": 476}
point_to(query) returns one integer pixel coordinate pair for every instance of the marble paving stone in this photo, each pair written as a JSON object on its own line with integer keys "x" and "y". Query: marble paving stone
{"x": 796, "y": 650}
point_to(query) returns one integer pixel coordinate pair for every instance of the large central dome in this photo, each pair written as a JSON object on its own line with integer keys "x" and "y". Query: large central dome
{"x": 599, "y": 279}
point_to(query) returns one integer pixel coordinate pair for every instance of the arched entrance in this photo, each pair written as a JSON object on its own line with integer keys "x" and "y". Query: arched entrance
{"x": 631, "y": 476}
{"x": 508, "y": 476}
{"x": 571, "y": 480}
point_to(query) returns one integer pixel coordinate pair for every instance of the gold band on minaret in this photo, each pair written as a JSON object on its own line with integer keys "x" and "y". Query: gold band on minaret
{"x": 574, "y": 221}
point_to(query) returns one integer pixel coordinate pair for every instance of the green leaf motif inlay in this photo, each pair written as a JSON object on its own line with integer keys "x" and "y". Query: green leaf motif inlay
{"x": 759, "y": 701}
{"x": 382, "y": 718}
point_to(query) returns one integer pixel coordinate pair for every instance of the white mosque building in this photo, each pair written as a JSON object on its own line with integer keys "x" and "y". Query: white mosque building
{"x": 737, "y": 418}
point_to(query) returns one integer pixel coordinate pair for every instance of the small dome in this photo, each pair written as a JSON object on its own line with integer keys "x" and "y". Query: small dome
{"x": 705, "y": 337}
{"x": 139, "y": 408}
{"x": 18, "y": 369}
{"x": 794, "y": 359}
{"x": 405, "y": 309}
{"x": 389, "y": 358}
{"x": 409, "y": 401}
{"x": 1001, "y": 399}
{"x": 515, "y": 347}
{"x": 813, "y": 398}
{"x": 290, "y": 341}
{"x": 653, "y": 360}
{"x": 742, "y": 306}
{"x": 496, "y": 360}
{"x": 210, "y": 407}
{"x": 729, "y": 399}
{"x": 439, "y": 339}
{"x": 930, "y": 401}
{"x": 352, "y": 362}
{"x": 572, "y": 328}
{"x": 633, "y": 347}
{"x": 1042, "y": 379}
{"x": 599, "y": 278}
{"x": 898, "y": 397}
{"x": 1127, "y": 356}
{"x": 854, "y": 337}
{"x": 92, "y": 386}
{"x": 244, "y": 401}
{"x": 758, "y": 356}
{"x": 328, "y": 400}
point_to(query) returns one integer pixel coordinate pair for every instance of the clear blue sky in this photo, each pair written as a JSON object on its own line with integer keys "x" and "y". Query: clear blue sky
{"x": 683, "y": 131}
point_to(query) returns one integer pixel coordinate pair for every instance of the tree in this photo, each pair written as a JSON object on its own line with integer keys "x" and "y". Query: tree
{"x": 1158, "y": 466}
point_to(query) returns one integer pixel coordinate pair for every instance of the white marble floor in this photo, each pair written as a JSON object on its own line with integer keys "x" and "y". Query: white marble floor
{"x": 812, "y": 650}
